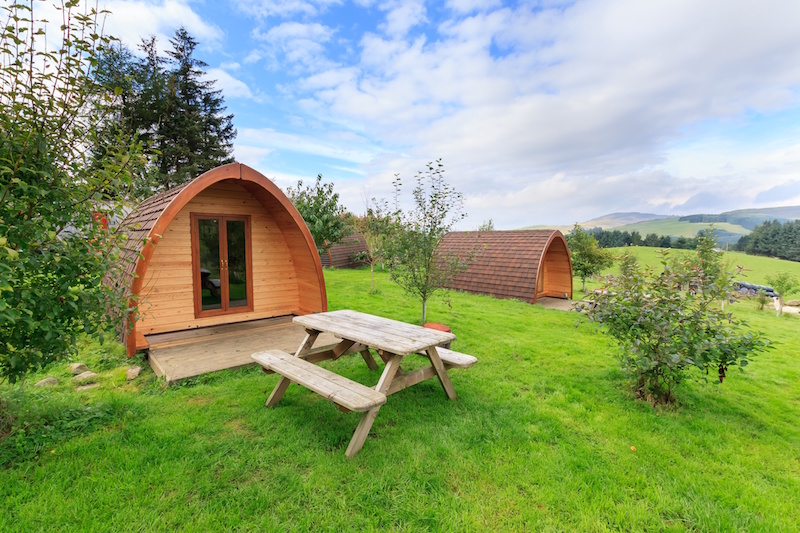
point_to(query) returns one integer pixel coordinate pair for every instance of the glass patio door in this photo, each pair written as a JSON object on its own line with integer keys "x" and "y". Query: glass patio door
{"x": 221, "y": 264}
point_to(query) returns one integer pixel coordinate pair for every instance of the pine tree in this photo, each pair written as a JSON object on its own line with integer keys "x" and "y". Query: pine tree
{"x": 177, "y": 115}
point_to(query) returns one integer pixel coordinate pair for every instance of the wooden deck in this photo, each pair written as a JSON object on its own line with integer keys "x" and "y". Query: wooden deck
{"x": 185, "y": 354}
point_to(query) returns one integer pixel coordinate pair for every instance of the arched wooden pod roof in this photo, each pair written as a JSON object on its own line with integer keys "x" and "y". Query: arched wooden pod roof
{"x": 229, "y": 187}
{"x": 522, "y": 264}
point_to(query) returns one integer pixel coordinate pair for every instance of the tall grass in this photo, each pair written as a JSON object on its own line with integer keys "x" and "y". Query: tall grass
{"x": 544, "y": 436}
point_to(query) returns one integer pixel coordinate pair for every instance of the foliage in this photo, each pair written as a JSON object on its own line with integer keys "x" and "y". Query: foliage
{"x": 378, "y": 226}
{"x": 55, "y": 201}
{"x": 667, "y": 322}
{"x": 486, "y": 226}
{"x": 319, "y": 206}
{"x": 177, "y": 114}
{"x": 773, "y": 239}
{"x": 588, "y": 259}
{"x": 783, "y": 283}
{"x": 418, "y": 266}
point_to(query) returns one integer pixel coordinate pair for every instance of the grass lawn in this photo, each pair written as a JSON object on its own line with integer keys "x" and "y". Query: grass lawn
{"x": 544, "y": 436}
{"x": 756, "y": 269}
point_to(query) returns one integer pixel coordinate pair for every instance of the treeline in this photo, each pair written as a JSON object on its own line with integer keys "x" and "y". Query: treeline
{"x": 616, "y": 239}
{"x": 773, "y": 239}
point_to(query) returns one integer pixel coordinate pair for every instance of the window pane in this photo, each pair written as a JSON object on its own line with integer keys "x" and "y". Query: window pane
{"x": 237, "y": 263}
{"x": 208, "y": 236}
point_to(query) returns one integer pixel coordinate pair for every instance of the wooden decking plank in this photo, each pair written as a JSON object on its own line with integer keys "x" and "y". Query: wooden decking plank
{"x": 210, "y": 353}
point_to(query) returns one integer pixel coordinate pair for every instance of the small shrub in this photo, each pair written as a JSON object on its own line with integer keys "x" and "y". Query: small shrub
{"x": 668, "y": 322}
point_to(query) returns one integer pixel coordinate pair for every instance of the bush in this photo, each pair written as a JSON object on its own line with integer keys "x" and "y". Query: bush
{"x": 668, "y": 322}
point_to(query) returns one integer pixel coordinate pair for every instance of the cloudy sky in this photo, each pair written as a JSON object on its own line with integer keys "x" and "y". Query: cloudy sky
{"x": 544, "y": 112}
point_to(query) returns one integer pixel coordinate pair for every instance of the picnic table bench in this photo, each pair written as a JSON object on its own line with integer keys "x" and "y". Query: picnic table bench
{"x": 359, "y": 332}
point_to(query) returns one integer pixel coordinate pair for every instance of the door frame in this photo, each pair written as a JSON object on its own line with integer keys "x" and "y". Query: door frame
{"x": 197, "y": 288}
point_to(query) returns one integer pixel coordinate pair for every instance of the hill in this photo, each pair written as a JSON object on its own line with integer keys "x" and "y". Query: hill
{"x": 748, "y": 218}
{"x": 609, "y": 221}
{"x": 614, "y": 220}
{"x": 725, "y": 233}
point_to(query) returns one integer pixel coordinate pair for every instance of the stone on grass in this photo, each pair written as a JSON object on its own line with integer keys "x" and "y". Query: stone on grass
{"x": 46, "y": 382}
{"x": 85, "y": 377}
{"x": 132, "y": 372}
{"x": 792, "y": 303}
{"x": 86, "y": 387}
{"x": 77, "y": 368}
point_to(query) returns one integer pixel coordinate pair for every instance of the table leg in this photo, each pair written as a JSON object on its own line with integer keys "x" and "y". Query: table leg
{"x": 441, "y": 373}
{"x": 361, "y": 432}
{"x": 392, "y": 366}
{"x": 369, "y": 359}
{"x": 277, "y": 392}
{"x": 308, "y": 342}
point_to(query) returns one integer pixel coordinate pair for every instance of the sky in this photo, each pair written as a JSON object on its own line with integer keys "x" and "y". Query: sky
{"x": 543, "y": 112}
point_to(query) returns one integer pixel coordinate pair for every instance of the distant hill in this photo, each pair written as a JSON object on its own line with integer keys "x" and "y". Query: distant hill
{"x": 729, "y": 226}
{"x": 724, "y": 232}
{"x": 748, "y": 218}
{"x": 614, "y": 220}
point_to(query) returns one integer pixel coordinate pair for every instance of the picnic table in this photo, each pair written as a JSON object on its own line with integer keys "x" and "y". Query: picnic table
{"x": 359, "y": 332}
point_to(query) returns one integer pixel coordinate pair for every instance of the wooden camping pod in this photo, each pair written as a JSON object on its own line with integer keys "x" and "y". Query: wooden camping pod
{"x": 343, "y": 254}
{"x": 522, "y": 264}
{"x": 278, "y": 270}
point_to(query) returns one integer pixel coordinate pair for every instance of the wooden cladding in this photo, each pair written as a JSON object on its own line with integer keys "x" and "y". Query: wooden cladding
{"x": 282, "y": 274}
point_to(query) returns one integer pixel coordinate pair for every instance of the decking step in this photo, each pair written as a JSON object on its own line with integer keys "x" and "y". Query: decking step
{"x": 345, "y": 392}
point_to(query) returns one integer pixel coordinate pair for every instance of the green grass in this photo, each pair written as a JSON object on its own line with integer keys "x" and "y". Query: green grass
{"x": 756, "y": 269}
{"x": 540, "y": 438}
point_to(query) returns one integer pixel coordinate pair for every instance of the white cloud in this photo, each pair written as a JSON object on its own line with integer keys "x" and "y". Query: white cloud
{"x": 511, "y": 98}
{"x": 402, "y": 15}
{"x": 304, "y": 144}
{"x": 297, "y": 44}
{"x": 468, "y": 6}
{"x": 130, "y": 20}
{"x": 283, "y": 8}
{"x": 230, "y": 86}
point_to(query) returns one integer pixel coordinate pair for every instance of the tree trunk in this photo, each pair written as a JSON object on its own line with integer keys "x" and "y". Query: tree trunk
{"x": 372, "y": 271}
{"x": 424, "y": 310}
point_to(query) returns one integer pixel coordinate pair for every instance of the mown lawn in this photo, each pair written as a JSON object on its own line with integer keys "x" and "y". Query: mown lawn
{"x": 544, "y": 436}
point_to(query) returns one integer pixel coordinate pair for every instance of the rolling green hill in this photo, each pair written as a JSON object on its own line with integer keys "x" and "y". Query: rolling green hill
{"x": 675, "y": 228}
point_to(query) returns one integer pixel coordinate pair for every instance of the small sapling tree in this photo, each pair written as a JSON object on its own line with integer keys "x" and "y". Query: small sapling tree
{"x": 417, "y": 266}
{"x": 319, "y": 206}
{"x": 783, "y": 283}
{"x": 378, "y": 227}
{"x": 588, "y": 259}
{"x": 666, "y": 323}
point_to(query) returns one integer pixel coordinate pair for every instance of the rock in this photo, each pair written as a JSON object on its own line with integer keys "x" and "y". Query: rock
{"x": 85, "y": 376}
{"x": 87, "y": 387}
{"x": 77, "y": 368}
{"x": 46, "y": 382}
{"x": 793, "y": 303}
{"x": 132, "y": 372}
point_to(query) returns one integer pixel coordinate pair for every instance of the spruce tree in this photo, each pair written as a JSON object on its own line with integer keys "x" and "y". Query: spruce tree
{"x": 177, "y": 115}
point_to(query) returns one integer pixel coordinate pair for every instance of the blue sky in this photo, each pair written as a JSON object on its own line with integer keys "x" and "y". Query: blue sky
{"x": 544, "y": 112}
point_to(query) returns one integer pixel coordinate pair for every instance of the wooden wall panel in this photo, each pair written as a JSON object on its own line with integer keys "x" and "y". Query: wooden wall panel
{"x": 167, "y": 298}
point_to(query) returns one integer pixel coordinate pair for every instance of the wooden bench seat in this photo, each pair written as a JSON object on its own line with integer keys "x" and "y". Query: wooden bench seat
{"x": 338, "y": 389}
{"x": 453, "y": 359}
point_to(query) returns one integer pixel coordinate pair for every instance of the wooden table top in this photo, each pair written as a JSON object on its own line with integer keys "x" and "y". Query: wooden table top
{"x": 376, "y": 332}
